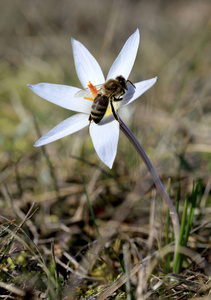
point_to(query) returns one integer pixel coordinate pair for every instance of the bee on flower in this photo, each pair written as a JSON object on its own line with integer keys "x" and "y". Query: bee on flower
{"x": 99, "y": 100}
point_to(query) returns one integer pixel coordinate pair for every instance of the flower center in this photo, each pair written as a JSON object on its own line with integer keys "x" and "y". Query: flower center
{"x": 92, "y": 88}
{"x": 93, "y": 91}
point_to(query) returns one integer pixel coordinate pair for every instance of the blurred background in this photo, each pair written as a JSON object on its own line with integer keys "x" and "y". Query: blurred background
{"x": 171, "y": 120}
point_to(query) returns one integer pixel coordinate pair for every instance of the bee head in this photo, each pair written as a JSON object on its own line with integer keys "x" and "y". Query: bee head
{"x": 122, "y": 81}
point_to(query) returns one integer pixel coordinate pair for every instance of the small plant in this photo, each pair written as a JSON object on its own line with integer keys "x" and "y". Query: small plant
{"x": 186, "y": 223}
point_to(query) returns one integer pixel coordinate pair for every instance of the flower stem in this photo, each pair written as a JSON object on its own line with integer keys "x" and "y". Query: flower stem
{"x": 156, "y": 179}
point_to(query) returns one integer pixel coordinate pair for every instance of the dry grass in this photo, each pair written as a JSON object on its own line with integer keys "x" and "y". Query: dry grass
{"x": 56, "y": 251}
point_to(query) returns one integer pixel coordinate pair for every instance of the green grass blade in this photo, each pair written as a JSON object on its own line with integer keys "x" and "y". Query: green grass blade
{"x": 168, "y": 215}
{"x": 191, "y": 214}
{"x": 177, "y": 206}
{"x": 91, "y": 210}
{"x": 168, "y": 258}
{"x": 178, "y": 197}
{"x": 177, "y": 262}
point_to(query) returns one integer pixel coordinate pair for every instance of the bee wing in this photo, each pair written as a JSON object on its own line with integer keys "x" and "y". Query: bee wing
{"x": 87, "y": 92}
{"x": 83, "y": 93}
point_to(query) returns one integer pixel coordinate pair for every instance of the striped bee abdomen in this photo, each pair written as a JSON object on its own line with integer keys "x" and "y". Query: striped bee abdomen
{"x": 99, "y": 107}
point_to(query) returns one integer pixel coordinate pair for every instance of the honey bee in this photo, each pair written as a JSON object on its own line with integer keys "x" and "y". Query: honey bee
{"x": 111, "y": 90}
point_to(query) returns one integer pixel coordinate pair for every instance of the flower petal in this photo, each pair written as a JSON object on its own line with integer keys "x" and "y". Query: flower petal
{"x": 132, "y": 94}
{"x": 62, "y": 95}
{"x": 105, "y": 140}
{"x": 87, "y": 67}
{"x": 66, "y": 127}
{"x": 125, "y": 60}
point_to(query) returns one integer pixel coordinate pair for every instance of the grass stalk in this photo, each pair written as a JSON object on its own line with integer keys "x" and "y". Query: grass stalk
{"x": 191, "y": 213}
{"x": 178, "y": 259}
{"x": 168, "y": 258}
{"x": 186, "y": 225}
{"x": 127, "y": 272}
{"x": 91, "y": 211}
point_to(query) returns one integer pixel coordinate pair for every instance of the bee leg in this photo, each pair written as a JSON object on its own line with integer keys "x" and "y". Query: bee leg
{"x": 117, "y": 99}
{"x": 90, "y": 119}
{"x": 113, "y": 111}
{"x": 120, "y": 96}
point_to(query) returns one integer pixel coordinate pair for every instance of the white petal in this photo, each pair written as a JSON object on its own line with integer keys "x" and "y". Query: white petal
{"x": 105, "y": 140}
{"x": 125, "y": 60}
{"x": 87, "y": 67}
{"x": 132, "y": 94}
{"x": 62, "y": 95}
{"x": 67, "y": 127}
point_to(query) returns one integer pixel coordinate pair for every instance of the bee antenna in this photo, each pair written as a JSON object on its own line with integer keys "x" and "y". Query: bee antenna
{"x": 131, "y": 83}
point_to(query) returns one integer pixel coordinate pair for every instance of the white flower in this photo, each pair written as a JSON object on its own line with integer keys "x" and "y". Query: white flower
{"x": 105, "y": 134}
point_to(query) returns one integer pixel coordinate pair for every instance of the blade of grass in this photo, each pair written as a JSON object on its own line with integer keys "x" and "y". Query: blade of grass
{"x": 200, "y": 194}
{"x": 177, "y": 206}
{"x": 91, "y": 211}
{"x": 127, "y": 271}
{"x": 55, "y": 283}
{"x": 178, "y": 197}
{"x": 168, "y": 258}
{"x": 191, "y": 213}
{"x": 168, "y": 216}
{"x": 177, "y": 261}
